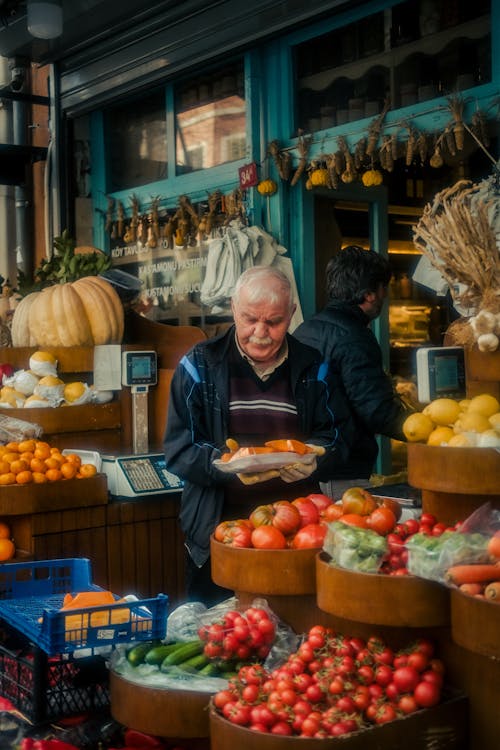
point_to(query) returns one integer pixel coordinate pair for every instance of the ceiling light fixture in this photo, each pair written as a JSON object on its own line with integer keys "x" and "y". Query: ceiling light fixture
{"x": 45, "y": 18}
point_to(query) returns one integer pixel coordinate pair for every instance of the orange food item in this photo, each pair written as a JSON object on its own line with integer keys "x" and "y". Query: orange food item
{"x": 7, "y": 549}
{"x": 52, "y": 462}
{"x": 68, "y": 470}
{"x": 493, "y": 545}
{"x": 8, "y": 478}
{"x": 27, "y": 446}
{"x": 4, "y": 530}
{"x": 73, "y": 458}
{"x": 87, "y": 470}
{"x": 10, "y": 456}
{"x": 38, "y": 464}
{"x": 39, "y": 477}
{"x": 289, "y": 446}
{"x": 13, "y": 446}
{"x": 17, "y": 466}
{"x": 53, "y": 475}
{"x": 42, "y": 449}
{"x": 24, "y": 477}
{"x": 472, "y": 573}
{"x": 4, "y": 467}
{"x": 247, "y": 451}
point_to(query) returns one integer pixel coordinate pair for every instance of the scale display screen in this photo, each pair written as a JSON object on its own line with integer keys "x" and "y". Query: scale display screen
{"x": 139, "y": 368}
{"x": 131, "y": 476}
{"x": 440, "y": 373}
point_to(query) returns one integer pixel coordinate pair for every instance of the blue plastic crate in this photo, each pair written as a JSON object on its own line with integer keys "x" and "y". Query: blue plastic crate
{"x": 32, "y": 594}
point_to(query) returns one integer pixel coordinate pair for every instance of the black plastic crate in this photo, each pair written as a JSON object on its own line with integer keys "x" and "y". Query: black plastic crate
{"x": 48, "y": 688}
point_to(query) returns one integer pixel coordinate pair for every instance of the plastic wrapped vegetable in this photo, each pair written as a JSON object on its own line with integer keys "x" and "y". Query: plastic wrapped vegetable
{"x": 430, "y": 556}
{"x": 354, "y": 548}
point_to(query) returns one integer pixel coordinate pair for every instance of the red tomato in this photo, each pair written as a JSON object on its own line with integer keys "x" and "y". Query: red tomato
{"x": 427, "y": 694}
{"x": 382, "y": 520}
{"x": 310, "y": 536}
{"x": 268, "y": 537}
{"x": 332, "y": 512}
{"x": 418, "y": 660}
{"x": 407, "y": 704}
{"x": 411, "y": 525}
{"x": 358, "y": 500}
{"x": 238, "y": 535}
{"x": 286, "y": 517}
{"x": 428, "y": 519}
{"x": 222, "y": 697}
{"x": 309, "y": 513}
{"x": 262, "y": 515}
{"x": 385, "y": 712}
{"x": 354, "y": 519}
{"x": 406, "y": 679}
{"x": 320, "y": 501}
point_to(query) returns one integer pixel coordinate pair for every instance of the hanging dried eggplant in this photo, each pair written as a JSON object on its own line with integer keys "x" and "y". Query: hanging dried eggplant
{"x": 411, "y": 145}
{"x": 109, "y": 215}
{"x": 332, "y": 172}
{"x": 456, "y": 105}
{"x": 303, "y": 145}
{"x": 422, "y": 147}
{"x": 360, "y": 153}
{"x": 375, "y": 130}
{"x": 449, "y": 138}
{"x": 282, "y": 159}
{"x": 120, "y": 220}
{"x": 479, "y": 126}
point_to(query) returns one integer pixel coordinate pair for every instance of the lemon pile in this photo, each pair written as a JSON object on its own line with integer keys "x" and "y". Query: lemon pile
{"x": 473, "y": 422}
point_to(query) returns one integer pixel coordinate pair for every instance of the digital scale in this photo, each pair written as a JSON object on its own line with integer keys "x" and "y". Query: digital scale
{"x": 135, "y": 476}
{"x": 440, "y": 373}
{"x": 141, "y": 473}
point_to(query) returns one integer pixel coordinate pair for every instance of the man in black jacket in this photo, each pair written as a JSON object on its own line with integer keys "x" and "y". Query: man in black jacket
{"x": 253, "y": 383}
{"x": 356, "y": 284}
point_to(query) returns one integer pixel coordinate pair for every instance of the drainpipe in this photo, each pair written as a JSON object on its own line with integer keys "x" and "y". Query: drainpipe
{"x": 7, "y": 214}
{"x": 19, "y": 77}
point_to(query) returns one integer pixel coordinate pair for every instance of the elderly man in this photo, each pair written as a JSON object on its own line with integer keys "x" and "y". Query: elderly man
{"x": 254, "y": 383}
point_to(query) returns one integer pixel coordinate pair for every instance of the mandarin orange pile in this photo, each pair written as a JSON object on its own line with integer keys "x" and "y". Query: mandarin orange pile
{"x": 35, "y": 461}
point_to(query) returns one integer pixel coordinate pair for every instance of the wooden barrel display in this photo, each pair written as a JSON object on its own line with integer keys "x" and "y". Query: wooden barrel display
{"x": 475, "y": 624}
{"x": 454, "y": 481}
{"x": 380, "y": 599}
{"x": 442, "y": 726}
{"x": 263, "y": 571}
{"x": 159, "y": 711}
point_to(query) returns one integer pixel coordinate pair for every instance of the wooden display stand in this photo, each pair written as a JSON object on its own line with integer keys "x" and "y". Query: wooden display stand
{"x": 179, "y": 714}
{"x": 454, "y": 482}
{"x": 285, "y": 578}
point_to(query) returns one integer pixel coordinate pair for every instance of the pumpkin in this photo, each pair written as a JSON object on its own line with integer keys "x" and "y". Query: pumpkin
{"x": 372, "y": 177}
{"x": 267, "y": 187}
{"x": 85, "y": 312}
{"x": 319, "y": 177}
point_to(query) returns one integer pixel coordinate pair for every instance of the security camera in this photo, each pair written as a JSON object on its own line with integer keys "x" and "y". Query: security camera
{"x": 17, "y": 74}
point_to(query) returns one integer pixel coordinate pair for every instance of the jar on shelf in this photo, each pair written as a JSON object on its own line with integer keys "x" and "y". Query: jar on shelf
{"x": 405, "y": 289}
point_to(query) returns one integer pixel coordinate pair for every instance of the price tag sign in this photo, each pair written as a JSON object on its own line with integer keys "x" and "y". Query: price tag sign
{"x": 248, "y": 175}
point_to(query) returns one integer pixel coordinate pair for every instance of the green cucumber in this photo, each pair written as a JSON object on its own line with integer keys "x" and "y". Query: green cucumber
{"x": 137, "y": 653}
{"x": 210, "y": 670}
{"x": 182, "y": 653}
{"x": 157, "y": 654}
{"x": 195, "y": 662}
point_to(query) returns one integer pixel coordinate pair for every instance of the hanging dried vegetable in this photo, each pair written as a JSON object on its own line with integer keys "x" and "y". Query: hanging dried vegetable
{"x": 282, "y": 159}
{"x": 349, "y": 174}
{"x": 360, "y": 153}
{"x": 456, "y": 105}
{"x": 303, "y": 145}
{"x": 375, "y": 130}
{"x": 479, "y": 127}
{"x": 334, "y": 176}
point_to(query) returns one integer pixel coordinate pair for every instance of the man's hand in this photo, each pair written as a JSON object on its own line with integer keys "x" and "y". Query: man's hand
{"x": 298, "y": 471}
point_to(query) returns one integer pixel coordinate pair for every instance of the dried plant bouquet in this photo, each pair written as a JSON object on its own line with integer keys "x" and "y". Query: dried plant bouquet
{"x": 459, "y": 234}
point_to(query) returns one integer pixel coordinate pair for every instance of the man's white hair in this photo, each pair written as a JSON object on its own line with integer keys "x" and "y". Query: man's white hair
{"x": 255, "y": 281}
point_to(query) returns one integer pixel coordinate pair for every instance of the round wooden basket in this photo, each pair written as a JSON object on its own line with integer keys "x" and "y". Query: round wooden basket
{"x": 475, "y": 624}
{"x": 380, "y": 599}
{"x": 280, "y": 572}
{"x": 157, "y": 711}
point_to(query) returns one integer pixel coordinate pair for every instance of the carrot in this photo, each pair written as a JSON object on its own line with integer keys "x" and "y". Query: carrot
{"x": 471, "y": 588}
{"x": 492, "y": 592}
{"x": 472, "y": 573}
{"x": 289, "y": 445}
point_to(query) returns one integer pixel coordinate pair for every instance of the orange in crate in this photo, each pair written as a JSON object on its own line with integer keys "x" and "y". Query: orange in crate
{"x": 7, "y": 550}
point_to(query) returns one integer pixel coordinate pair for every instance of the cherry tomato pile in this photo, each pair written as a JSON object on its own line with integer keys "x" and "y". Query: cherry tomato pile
{"x": 239, "y": 636}
{"x": 397, "y": 557}
{"x": 334, "y": 685}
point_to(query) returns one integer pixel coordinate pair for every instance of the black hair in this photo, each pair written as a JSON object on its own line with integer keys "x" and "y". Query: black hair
{"x": 353, "y": 272}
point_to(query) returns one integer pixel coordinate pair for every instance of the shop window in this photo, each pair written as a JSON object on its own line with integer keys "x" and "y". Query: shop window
{"x": 210, "y": 109}
{"x": 136, "y": 141}
{"x": 415, "y": 51}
